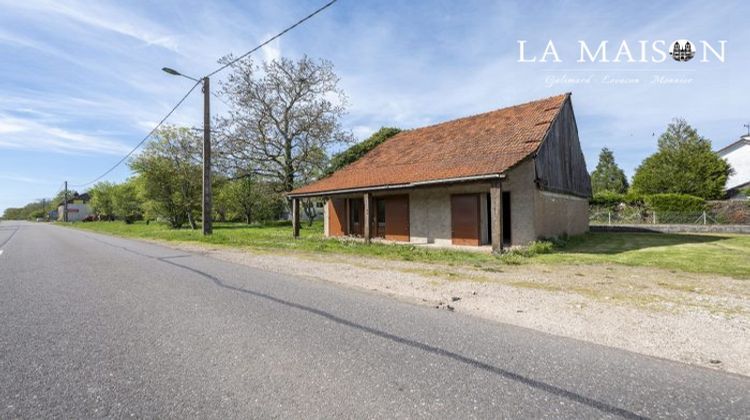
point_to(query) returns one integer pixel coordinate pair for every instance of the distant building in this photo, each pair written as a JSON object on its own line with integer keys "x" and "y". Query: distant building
{"x": 738, "y": 156}
{"x": 78, "y": 208}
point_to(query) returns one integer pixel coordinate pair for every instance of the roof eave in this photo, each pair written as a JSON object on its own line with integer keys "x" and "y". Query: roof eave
{"x": 398, "y": 186}
{"x": 743, "y": 141}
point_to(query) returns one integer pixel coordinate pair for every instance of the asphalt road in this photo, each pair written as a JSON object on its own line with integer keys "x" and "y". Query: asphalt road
{"x": 92, "y": 326}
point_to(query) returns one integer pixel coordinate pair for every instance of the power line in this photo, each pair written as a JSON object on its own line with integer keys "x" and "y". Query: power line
{"x": 150, "y": 133}
{"x": 273, "y": 38}
{"x": 263, "y": 44}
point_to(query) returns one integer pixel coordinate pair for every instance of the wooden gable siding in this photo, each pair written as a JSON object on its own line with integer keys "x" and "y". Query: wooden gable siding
{"x": 559, "y": 162}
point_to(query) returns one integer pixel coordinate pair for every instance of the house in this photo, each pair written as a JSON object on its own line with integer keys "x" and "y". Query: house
{"x": 737, "y": 155}
{"x": 78, "y": 208}
{"x": 505, "y": 177}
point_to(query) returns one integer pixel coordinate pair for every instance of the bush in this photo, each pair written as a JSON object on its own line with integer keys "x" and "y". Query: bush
{"x": 612, "y": 199}
{"x": 540, "y": 247}
{"x": 682, "y": 203}
{"x": 607, "y": 198}
{"x": 634, "y": 199}
{"x": 516, "y": 255}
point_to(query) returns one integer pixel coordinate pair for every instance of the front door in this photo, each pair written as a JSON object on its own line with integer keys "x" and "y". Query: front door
{"x": 336, "y": 217}
{"x": 465, "y": 219}
{"x": 397, "y": 218}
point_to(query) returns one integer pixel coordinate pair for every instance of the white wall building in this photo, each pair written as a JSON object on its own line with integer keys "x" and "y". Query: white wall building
{"x": 738, "y": 156}
{"x": 78, "y": 208}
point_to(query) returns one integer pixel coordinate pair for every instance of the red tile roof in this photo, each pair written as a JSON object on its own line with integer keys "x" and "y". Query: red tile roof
{"x": 483, "y": 144}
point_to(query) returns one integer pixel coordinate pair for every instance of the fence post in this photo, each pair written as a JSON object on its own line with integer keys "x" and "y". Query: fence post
{"x": 654, "y": 221}
{"x": 704, "y": 217}
{"x": 609, "y": 218}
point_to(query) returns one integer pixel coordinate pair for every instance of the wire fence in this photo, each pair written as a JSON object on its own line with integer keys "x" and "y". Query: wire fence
{"x": 642, "y": 216}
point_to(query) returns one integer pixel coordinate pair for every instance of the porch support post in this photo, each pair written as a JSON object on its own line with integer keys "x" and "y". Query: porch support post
{"x": 295, "y": 217}
{"x": 368, "y": 232}
{"x": 496, "y": 216}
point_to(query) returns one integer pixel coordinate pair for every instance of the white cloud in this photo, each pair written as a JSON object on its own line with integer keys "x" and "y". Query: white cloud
{"x": 24, "y": 134}
{"x": 105, "y": 17}
{"x": 10, "y": 127}
{"x": 272, "y": 51}
{"x": 24, "y": 179}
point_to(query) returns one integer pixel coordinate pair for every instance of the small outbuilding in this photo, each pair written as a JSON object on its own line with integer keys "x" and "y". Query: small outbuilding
{"x": 505, "y": 177}
{"x": 78, "y": 208}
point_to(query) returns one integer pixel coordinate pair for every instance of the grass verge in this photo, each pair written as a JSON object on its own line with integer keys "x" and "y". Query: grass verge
{"x": 722, "y": 254}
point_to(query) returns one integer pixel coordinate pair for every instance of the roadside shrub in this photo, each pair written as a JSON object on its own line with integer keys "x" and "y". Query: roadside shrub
{"x": 677, "y": 203}
{"x": 540, "y": 247}
{"x": 516, "y": 255}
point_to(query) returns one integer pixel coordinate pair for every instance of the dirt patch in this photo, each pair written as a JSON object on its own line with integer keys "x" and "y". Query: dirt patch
{"x": 692, "y": 318}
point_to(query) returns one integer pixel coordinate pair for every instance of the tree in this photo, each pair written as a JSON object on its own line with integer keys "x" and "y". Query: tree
{"x": 358, "y": 150}
{"x": 101, "y": 200}
{"x": 251, "y": 199}
{"x": 126, "y": 202}
{"x": 60, "y": 197}
{"x": 608, "y": 176}
{"x": 285, "y": 114}
{"x": 683, "y": 164}
{"x": 308, "y": 207}
{"x": 171, "y": 175}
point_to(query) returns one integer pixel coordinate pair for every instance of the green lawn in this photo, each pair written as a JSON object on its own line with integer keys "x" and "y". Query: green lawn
{"x": 711, "y": 253}
{"x": 714, "y": 253}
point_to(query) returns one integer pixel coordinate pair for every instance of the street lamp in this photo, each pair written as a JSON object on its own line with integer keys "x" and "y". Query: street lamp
{"x": 206, "y": 207}
{"x": 174, "y": 72}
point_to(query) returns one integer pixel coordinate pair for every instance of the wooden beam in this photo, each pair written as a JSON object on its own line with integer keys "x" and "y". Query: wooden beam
{"x": 295, "y": 217}
{"x": 367, "y": 197}
{"x": 496, "y": 216}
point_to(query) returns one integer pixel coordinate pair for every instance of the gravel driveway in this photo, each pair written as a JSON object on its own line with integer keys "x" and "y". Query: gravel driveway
{"x": 692, "y": 318}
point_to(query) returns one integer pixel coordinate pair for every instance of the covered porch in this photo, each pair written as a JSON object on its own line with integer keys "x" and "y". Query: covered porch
{"x": 472, "y": 214}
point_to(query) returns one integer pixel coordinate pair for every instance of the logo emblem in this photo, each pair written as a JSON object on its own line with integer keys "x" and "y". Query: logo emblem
{"x": 682, "y": 50}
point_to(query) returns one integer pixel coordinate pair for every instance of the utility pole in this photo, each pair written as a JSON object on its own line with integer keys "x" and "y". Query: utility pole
{"x": 206, "y": 206}
{"x": 207, "y": 215}
{"x": 65, "y": 204}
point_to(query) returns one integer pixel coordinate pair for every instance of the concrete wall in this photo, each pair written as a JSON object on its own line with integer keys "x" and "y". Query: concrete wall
{"x": 430, "y": 208}
{"x": 558, "y": 214}
{"x": 430, "y": 212}
{"x": 672, "y": 228}
{"x": 519, "y": 181}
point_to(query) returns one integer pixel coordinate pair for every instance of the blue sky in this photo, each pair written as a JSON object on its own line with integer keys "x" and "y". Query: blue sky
{"x": 80, "y": 82}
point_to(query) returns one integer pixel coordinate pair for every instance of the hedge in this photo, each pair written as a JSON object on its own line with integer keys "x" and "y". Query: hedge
{"x": 675, "y": 203}
{"x": 612, "y": 199}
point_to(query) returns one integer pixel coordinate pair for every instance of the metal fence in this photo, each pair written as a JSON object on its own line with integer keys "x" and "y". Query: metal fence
{"x": 641, "y": 216}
